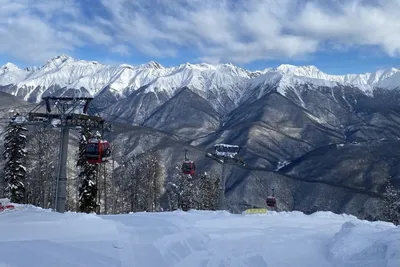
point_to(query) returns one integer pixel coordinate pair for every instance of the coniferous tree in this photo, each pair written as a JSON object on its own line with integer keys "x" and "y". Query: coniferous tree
{"x": 88, "y": 191}
{"x": 88, "y": 172}
{"x": 187, "y": 193}
{"x": 15, "y": 157}
{"x": 173, "y": 196}
{"x": 181, "y": 191}
{"x": 176, "y": 188}
{"x": 208, "y": 191}
{"x": 392, "y": 204}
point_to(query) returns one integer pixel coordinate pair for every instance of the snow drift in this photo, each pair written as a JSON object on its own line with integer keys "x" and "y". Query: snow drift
{"x": 37, "y": 237}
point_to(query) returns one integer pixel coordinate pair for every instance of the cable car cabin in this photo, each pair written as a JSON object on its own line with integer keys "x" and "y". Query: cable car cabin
{"x": 271, "y": 201}
{"x": 188, "y": 167}
{"x": 226, "y": 150}
{"x": 97, "y": 151}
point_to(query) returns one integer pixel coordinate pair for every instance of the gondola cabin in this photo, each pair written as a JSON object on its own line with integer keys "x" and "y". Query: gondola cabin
{"x": 188, "y": 167}
{"x": 226, "y": 150}
{"x": 271, "y": 201}
{"x": 97, "y": 151}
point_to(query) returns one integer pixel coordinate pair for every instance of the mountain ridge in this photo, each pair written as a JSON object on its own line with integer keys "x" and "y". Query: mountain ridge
{"x": 299, "y": 70}
{"x": 68, "y": 72}
{"x": 225, "y": 86}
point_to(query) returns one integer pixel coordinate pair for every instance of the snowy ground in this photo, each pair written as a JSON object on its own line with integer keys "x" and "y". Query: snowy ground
{"x": 36, "y": 237}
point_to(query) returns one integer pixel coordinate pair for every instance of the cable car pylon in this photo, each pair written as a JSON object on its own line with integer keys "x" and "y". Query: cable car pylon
{"x": 61, "y": 112}
{"x": 223, "y": 154}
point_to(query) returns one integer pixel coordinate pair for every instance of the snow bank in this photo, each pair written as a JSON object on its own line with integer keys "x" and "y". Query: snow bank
{"x": 37, "y": 237}
{"x": 364, "y": 245}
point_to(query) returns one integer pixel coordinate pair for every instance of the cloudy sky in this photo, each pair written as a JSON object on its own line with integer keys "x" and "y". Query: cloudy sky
{"x": 337, "y": 36}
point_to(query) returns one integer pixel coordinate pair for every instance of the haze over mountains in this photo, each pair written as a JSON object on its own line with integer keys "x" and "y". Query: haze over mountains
{"x": 324, "y": 142}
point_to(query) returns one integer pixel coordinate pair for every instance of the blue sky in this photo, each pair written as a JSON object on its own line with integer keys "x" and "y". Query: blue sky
{"x": 337, "y": 36}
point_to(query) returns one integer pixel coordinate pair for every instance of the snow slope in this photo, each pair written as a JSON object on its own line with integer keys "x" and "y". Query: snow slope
{"x": 36, "y": 237}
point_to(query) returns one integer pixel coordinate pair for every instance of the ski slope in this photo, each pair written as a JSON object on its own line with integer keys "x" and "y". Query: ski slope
{"x": 36, "y": 237}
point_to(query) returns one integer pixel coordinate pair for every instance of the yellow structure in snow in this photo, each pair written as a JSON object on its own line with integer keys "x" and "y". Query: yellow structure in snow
{"x": 256, "y": 211}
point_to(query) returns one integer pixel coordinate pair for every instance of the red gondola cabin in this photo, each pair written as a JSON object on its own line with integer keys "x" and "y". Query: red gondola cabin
{"x": 188, "y": 167}
{"x": 271, "y": 201}
{"x": 98, "y": 151}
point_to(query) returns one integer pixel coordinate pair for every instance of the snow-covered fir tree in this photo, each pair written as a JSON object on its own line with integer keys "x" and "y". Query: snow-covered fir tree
{"x": 14, "y": 168}
{"x": 88, "y": 190}
{"x": 173, "y": 196}
{"x": 182, "y": 191}
{"x": 392, "y": 204}
{"x": 186, "y": 192}
{"x": 173, "y": 190}
{"x": 208, "y": 191}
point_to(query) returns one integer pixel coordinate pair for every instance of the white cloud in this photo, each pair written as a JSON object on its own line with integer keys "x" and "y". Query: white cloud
{"x": 26, "y": 34}
{"x": 237, "y": 31}
{"x": 91, "y": 33}
{"x": 357, "y": 23}
{"x": 248, "y": 30}
{"x": 121, "y": 49}
{"x": 219, "y": 31}
{"x": 29, "y": 37}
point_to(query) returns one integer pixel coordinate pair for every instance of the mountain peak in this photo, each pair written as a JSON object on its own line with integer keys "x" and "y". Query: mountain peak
{"x": 152, "y": 65}
{"x": 155, "y": 65}
{"x": 57, "y": 60}
{"x": 61, "y": 57}
{"x": 287, "y": 68}
{"x": 9, "y": 67}
{"x": 188, "y": 65}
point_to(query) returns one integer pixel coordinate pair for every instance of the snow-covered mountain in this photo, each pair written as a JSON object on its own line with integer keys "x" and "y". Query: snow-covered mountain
{"x": 221, "y": 84}
{"x": 372, "y": 79}
{"x": 297, "y": 115}
{"x": 68, "y": 73}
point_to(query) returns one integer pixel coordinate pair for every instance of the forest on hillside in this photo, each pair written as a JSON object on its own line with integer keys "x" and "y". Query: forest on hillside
{"x": 123, "y": 184}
